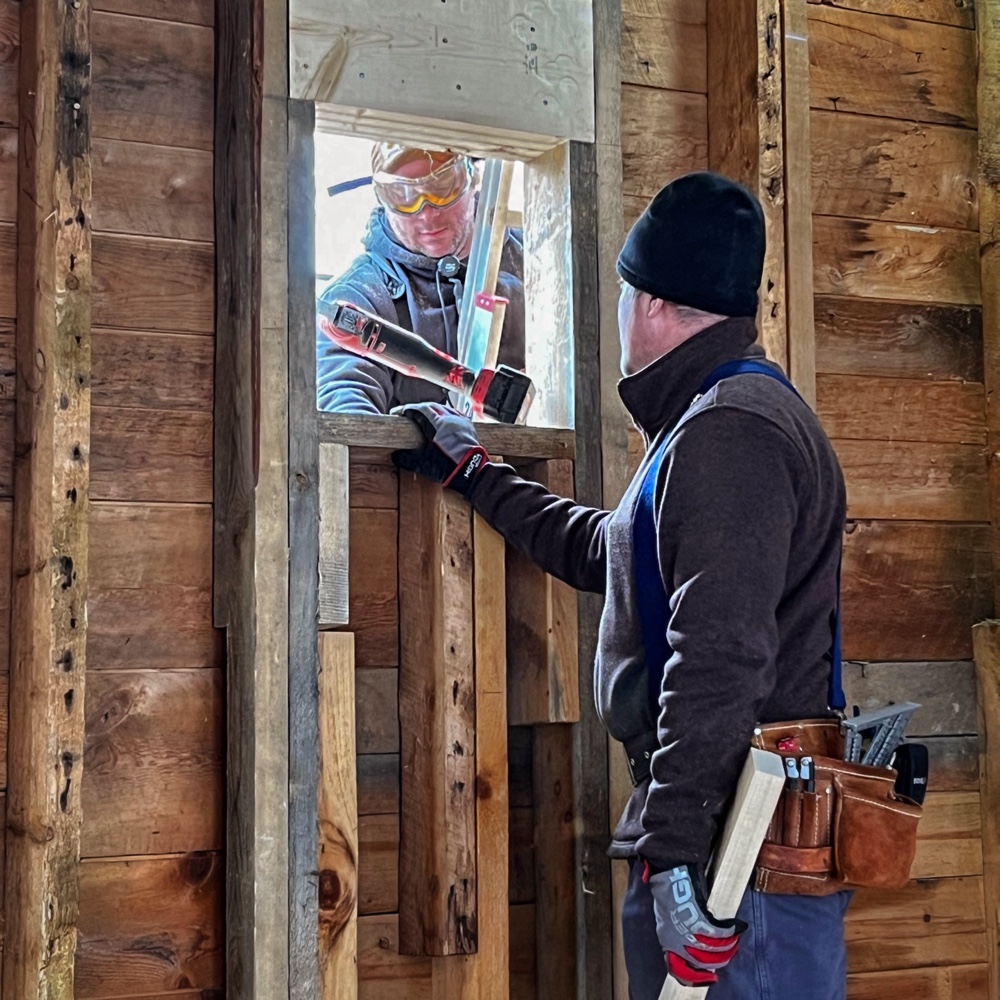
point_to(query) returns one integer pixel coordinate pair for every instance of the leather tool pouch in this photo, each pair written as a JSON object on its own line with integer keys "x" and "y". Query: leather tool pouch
{"x": 851, "y": 831}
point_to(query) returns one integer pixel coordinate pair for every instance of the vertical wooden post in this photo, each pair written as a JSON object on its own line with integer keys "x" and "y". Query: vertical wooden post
{"x": 986, "y": 637}
{"x": 334, "y": 534}
{"x": 988, "y": 105}
{"x": 542, "y": 649}
{"x": 437, "y": 711}
{"x": 303, "y": 580}
{"x": 250, "y": 591}
{"x": 51, "y": 508}
{"x": 338, "y": 819}
{"x": 986, "y": 649}
{"x": 745, "y": 135}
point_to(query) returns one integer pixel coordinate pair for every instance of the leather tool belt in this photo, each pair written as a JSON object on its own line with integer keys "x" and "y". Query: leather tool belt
{"x": 850, "y": 830}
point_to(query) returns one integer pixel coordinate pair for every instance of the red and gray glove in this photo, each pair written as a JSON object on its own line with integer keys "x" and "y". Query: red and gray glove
{"x": 451, "y": 455}
{"x": 695, "y": 945}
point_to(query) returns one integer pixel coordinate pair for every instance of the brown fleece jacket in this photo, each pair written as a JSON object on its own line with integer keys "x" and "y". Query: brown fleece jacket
{"x": 750, "y": 507}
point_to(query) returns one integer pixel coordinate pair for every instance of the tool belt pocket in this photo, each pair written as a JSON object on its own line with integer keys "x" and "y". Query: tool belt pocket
{"x": 850, "y": 830}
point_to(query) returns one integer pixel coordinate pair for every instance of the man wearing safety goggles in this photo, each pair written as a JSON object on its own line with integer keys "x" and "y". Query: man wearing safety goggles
{"x": 412, "y": 274}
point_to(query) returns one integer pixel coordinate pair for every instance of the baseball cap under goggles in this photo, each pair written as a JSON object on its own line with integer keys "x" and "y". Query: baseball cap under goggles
{"x": 449, "y": 178}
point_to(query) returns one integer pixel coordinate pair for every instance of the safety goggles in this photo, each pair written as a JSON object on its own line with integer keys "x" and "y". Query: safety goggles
{"x": 440, "y": 188}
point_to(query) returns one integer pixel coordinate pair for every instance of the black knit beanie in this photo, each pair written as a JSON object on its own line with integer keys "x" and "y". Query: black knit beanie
{"x": 699, "y": 243}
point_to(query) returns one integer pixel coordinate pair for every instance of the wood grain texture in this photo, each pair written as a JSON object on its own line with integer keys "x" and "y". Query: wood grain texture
{"x": 153, "y": 763}
{"x": 338, "y": 819}
{"x": 912, "y": 590}
{"x": 949, "y": 838}
{"x": 555, "y": 876}
{"x": 960, "y": 13}
{"x": 899, "y": 339}
{"x": 383, "y": 973}
{"x": 152, "y": 190}
{"x": 10, "y": 36}
{"x": 151, "y": 284}
{"x": 886, "y": 260}
{"x": 946, "y": 693}
{"x": 986, "y": 646}
{"x": 542, "y": 625}
{"x": 521, "y": 867}
{"x": 6, "y": 541}
{"x": 374, "y": 481}
{"x": 918, "y": 481}
{"x": 894, "y": 171}
{"x": 150, "y": 925}
{"x": 954, "y": 763}
{"x": 8, "y": 173}
{"x": 150, "y": 593}
{"x": 879, "y": 65}
{"x": 523, "y": 955}
{"x": 151, "y": 371}
{"x": 334, "y": 535}
{"x": 7, "y": 363}
{"x": 8, "y": 270}
{"x": 379, "y": 783}
{"x": 437, "y": 718}
{"x": 378, "y": 863}
{"x": 492, "y": 807}
{"x": 374, "y": 587}
{"x": 49, "y": 564}
{"x": 664, "y": 134}
{"x": 887, "y": 409}
{"x": 152, "y": 81}
{"x": 663, "y": 45}
{"x": 7, "y": 407}
{"x": 188, "y": 11}
{"x": 151, "y": 455}
{"x": 955, "y": 982}
{"x": 377, "y": 710}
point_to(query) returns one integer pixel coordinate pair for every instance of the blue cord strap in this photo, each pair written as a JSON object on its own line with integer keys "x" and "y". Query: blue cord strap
{"x": 653, "y": 606}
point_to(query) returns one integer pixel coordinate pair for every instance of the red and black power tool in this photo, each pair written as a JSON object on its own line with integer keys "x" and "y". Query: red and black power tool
{"x": 502, "y": 393}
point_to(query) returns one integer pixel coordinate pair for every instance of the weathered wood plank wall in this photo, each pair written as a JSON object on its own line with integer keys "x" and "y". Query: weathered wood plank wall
{"x": 151, "y": 917}
{"x": 900, "y": 389}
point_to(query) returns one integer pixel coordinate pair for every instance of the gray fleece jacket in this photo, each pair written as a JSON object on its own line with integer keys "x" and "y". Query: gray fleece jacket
{"x": 750, "y": 507}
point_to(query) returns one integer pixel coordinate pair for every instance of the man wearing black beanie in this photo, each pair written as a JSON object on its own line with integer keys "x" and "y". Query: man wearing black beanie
{"x": 720, "y": 571}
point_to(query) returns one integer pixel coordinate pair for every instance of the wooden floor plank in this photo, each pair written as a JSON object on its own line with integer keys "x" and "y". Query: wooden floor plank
{"x": 151, "y": 190}
{"x": 150, "y": 925}
{"x": 153, "y": 762}
{"x": 152, "y": 81}
{"x": 151, "y": 587}
{"x": 898, "y": 339}
{"x": 879, "y": 65}
{"x": 912, "y": 590}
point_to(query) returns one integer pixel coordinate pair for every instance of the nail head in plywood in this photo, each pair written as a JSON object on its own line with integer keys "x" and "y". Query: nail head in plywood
{"x": 334, "y": 534}
{"x": 449, "y": 61}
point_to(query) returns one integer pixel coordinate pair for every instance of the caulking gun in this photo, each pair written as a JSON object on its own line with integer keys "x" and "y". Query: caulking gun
{"x": 502, "y": 393}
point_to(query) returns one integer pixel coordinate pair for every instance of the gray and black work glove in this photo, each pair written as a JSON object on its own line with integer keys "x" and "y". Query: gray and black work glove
{"x": 695, "y": 945}
{"x": 451, "y": 455}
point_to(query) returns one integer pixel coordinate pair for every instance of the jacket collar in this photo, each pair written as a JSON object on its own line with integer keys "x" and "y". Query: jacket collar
{"x": 657, "y": 396}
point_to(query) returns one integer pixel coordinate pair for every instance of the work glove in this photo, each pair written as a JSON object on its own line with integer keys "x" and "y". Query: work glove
{"x": 695, "y": 945}
{"x": 451, "y": 455}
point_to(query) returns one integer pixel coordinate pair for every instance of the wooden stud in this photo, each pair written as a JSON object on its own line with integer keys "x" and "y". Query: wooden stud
{"x": 51, "y": 503}
{"x": 986, "y": 643}
{"x": 334, "y": 534}
{"x": 542, "y": 628}
{"x": 338, "y": 820}
{"x": 798, "y": 199}
{"x": 251, "y": 583}
{"x": 303, "y": 539}
{"x": 745, "y": 136}
{"x": 988, "y": 103}
{"x": 437, "y": 863}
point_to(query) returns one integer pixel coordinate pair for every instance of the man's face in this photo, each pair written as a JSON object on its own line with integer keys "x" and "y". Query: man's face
{"x": 638, "y": 337}
{"x": 434, "y": 232}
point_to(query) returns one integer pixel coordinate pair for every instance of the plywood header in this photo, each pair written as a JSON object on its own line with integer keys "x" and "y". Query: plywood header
{"x": 496, "y": 64}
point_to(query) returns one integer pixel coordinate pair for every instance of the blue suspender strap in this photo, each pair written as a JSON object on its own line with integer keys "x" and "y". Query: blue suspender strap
{"x": 654, "y": 611}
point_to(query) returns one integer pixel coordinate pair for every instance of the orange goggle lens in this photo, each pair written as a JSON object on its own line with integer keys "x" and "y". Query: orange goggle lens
{"x": 442, "y": 188}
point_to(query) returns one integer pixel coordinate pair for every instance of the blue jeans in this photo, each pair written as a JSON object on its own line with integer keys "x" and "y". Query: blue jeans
{"x": 793, "y": 948}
